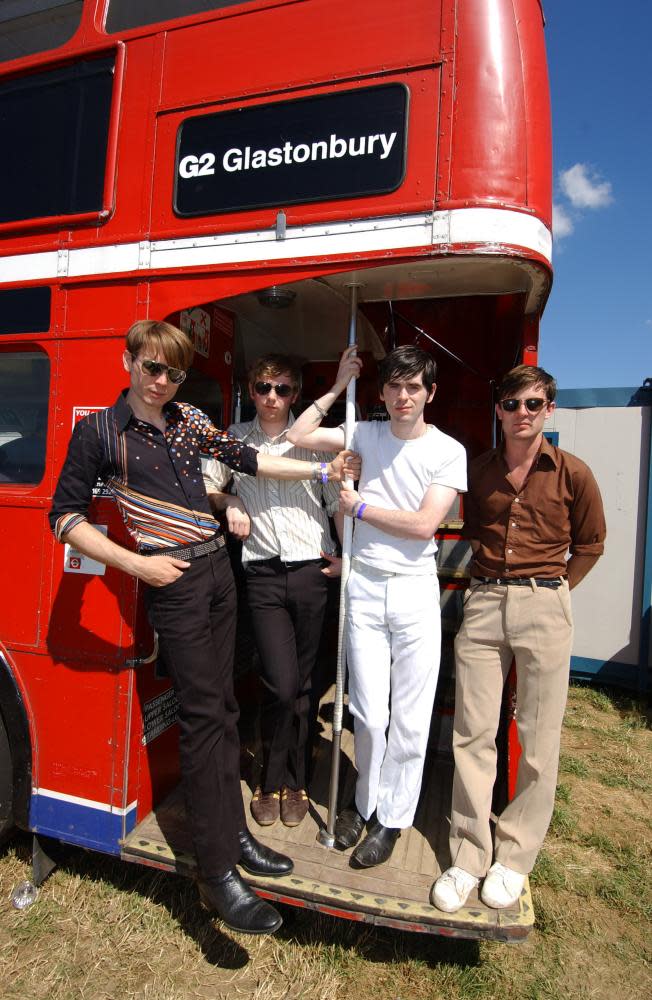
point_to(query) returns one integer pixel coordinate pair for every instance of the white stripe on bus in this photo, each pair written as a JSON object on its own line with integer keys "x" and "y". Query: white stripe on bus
{"x": 88, "y": 803}
{"x": 480, "y": 226}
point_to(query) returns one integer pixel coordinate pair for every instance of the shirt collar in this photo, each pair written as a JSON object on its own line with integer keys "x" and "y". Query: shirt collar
{"x": 547, "y": 452}
{"x": 124, "y": 413}
{"x": 256, "y": 428}
{"x": 122, "y": 410}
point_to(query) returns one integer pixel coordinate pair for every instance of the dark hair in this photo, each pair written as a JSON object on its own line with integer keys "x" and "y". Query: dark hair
{"x": 406, "y": 362}
{"x": 153, "y": 336}
{"x": 522, "y": 377}
{"x": 275, "y": 365}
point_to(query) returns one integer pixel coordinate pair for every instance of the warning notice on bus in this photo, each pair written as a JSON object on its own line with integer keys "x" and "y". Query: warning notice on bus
{"x": 197, "y": 324}
{"x": 159, "y": 714}
{"x": 344, "y": 145}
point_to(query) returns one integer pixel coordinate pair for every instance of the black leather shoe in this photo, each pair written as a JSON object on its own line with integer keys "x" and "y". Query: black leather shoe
{"x": 348, "y": 828}
{"x": 237, "y": 905}
{"x": 376, "y": 847}
{"x": 257, "y": 859}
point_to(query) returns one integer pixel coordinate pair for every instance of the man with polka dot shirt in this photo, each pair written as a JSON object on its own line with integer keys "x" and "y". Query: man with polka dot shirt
{"x": 146, "y": 451}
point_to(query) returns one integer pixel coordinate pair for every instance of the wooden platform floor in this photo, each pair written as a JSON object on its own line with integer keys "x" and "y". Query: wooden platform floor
{"x": 396, "y": 893}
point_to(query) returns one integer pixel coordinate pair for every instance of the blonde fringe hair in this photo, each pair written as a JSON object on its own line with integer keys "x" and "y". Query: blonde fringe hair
{"x": 153, "y": 337}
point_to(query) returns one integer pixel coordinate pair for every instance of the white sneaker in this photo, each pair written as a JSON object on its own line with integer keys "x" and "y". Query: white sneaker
{"x": 502, "y": 886}
{"x": 452, "y": 889}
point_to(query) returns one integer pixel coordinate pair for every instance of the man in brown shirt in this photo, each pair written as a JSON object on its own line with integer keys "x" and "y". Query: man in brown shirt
{"x": 528, "y": 505}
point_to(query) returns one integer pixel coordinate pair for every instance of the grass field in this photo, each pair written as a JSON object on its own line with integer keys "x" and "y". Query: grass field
{"x": 104, "y": 930}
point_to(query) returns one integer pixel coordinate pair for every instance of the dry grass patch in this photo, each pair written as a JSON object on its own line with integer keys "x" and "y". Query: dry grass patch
{"x": 104, "y": 930}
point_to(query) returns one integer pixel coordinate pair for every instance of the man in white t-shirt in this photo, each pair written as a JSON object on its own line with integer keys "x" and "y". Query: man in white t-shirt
{"x": 411, "y": 473}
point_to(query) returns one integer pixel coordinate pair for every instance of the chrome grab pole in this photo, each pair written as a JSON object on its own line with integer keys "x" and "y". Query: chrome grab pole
{"x": 326, "y": 835}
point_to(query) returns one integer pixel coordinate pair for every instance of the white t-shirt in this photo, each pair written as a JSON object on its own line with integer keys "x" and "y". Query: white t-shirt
{"x": 395, "y": 476}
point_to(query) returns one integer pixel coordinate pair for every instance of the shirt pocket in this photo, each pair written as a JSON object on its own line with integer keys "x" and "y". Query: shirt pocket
{"x": 549, "y": 521}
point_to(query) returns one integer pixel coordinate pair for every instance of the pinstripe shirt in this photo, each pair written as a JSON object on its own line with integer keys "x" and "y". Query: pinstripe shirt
{"x": 288, "y": 519}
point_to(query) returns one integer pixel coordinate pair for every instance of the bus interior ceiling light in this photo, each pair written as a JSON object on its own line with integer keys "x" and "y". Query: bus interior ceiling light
{"x": 275, "y": 297}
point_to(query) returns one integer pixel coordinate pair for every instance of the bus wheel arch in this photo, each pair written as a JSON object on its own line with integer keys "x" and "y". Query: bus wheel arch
{"x": 15, "y": 754}
{"x": 6, "y": 784}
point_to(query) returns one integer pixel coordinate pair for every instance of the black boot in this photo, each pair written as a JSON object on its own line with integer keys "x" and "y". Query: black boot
{"x": 257, "y": 859}
{"x": 237, "y": 905}
{"x": 376, "y": 847}
{"x": 348, "y": 828}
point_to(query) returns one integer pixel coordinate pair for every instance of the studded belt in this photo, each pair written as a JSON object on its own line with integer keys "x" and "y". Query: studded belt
{"x": 190, "y": 551}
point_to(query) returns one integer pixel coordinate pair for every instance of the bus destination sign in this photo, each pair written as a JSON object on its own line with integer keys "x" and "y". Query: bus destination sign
{"x": 345, "y": 145}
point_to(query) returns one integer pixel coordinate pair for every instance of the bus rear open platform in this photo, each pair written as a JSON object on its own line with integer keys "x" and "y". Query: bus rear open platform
{"x": 395, "y": 894}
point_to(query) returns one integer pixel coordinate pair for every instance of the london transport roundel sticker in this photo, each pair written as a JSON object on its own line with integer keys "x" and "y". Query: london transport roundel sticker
{"x": 77, "y": 562}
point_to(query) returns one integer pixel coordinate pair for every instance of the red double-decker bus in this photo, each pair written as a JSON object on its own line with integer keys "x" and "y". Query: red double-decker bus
{"x": 236, "y": 167}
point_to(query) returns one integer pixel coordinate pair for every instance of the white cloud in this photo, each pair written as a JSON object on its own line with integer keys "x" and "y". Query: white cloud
{"x": 584, "y": 188}
{"x": 562, "y": 223}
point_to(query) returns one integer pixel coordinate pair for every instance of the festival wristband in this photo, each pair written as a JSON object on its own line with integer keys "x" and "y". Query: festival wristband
{"x": 324, "y": 472}
{"x": 360, "y": 511}
{"x": 320, "y": 410}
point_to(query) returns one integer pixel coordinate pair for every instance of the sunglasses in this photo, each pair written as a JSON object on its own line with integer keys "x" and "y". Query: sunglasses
{"x": 280, "y": 388}
{"x": 156, "y": 368}
{"x": 531, "y": 405}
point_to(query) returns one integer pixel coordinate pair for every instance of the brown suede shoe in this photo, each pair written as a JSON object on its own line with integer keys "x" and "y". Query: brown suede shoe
{"x": 294, "y": 805}
{"x": 265, "y": 807}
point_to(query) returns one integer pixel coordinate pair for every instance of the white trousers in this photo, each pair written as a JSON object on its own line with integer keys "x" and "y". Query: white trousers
{"x": 393, "y": 652}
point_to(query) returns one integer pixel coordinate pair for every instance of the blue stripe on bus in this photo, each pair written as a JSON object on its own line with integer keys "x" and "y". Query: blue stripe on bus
{"x": 81, "y": 824}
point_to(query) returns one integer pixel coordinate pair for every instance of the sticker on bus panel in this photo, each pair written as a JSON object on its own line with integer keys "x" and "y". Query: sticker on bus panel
{"x": 345, "y": 145}
{"x": 197, "y": 324}
{"x": 77, "y": 562}
{"x": 159, "y": 714}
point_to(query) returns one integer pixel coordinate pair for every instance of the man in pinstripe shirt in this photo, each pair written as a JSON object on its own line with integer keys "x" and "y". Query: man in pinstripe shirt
{"x": 287, "y": 555}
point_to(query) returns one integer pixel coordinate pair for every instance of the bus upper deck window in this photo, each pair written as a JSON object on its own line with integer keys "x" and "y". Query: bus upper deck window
{"x": 24, "y": 392}
{"x": 126, "y": 14}
{"x": 56, "y": 125}
{"x": 31, "y": 26}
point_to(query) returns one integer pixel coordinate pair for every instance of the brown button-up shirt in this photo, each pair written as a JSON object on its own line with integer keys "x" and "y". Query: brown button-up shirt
{"x": 528, "y": 533}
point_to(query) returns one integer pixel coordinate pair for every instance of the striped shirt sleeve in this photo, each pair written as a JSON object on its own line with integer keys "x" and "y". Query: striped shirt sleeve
{"x": 216, "y": 475}
{"x": 80, "y": 472}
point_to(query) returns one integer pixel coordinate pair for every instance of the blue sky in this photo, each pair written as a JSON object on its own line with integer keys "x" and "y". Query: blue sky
{"x": 597, "y": 326}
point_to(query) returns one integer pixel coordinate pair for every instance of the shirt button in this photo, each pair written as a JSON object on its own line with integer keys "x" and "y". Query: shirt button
{"x": 515, "y": 499}
{"x": 513, "y": 524}
{"x": 509, "y": 552}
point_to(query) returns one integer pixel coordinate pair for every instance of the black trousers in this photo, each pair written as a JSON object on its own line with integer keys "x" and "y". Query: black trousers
{"x": 287, "y": 605}
{"x": 195, "y": 618}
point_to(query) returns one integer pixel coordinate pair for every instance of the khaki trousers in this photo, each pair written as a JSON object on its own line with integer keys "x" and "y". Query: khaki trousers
{"x": 534, "y": 626}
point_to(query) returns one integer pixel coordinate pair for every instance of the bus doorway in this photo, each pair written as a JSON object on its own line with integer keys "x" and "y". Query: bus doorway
{"x": 473, "y": 338}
